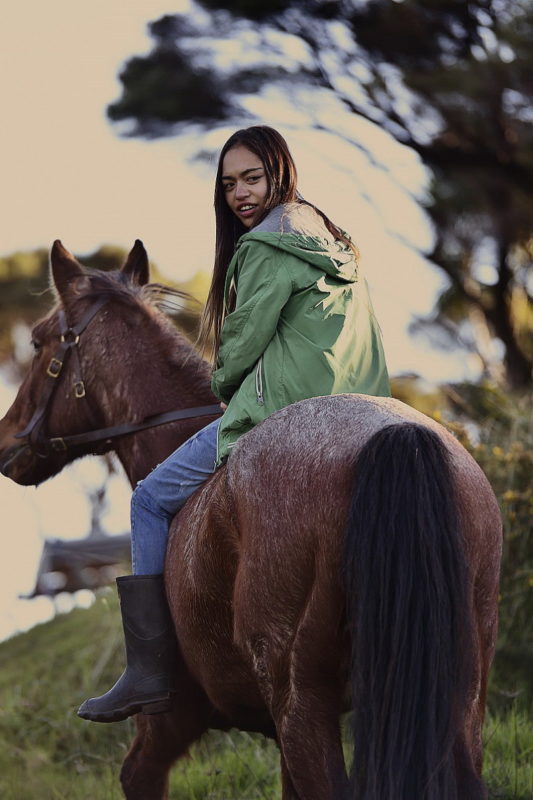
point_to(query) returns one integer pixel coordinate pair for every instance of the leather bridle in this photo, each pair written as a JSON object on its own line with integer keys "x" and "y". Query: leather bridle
{"x": 43, "y": 446}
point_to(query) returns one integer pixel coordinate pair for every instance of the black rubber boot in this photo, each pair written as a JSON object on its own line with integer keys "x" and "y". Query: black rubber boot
{"x": 147, "y": 684}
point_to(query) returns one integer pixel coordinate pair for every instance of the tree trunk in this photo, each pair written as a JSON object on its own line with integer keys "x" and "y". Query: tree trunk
{"x": 517, "y": 365}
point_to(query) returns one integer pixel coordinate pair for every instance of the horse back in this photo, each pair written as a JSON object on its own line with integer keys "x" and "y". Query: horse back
{"x": 304, "y": 455}
{"x": 256, "y": 555}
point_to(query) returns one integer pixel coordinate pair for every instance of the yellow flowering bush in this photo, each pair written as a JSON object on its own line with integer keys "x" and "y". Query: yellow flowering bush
{"x": 497, "y": 429}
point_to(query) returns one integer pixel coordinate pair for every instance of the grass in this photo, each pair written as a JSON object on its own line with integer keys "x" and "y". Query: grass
{"x": 47, "y": 753}
{"x": 45, "y": 750}
{"x": 508, "y": 768}
{"x": 228, "y": 766}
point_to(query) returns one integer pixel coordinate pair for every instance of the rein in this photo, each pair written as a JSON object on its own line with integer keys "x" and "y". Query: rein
{"x": 42, "y": 445}
{"x": 62, "y": 443}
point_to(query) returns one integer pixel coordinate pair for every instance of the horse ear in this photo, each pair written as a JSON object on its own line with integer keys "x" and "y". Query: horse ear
{"x": 137, "y": 268}
{"x": 65, "y": 268}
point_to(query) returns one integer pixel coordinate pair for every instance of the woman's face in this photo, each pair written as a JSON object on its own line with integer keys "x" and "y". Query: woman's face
{"x": 245, "y": 184}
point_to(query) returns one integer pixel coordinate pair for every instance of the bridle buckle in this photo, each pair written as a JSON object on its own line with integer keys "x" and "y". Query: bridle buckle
{"x": 54, "y": 367}
{"x": 79, "y": 390}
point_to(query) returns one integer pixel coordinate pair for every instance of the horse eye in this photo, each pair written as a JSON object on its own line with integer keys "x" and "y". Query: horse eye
{"x": 36, "y": 345}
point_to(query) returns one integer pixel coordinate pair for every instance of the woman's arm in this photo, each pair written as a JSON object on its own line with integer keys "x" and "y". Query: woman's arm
{"x": 263, "y": 287}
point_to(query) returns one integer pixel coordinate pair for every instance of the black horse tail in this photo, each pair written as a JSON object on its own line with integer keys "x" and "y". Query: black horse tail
{"x": 406, "y": 581}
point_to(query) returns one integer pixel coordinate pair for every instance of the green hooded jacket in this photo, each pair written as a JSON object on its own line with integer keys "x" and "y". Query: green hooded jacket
{"x": 302, "y": 325}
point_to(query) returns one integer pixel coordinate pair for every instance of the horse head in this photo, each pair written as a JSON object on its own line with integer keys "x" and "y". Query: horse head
{"x": 89, "y": 360}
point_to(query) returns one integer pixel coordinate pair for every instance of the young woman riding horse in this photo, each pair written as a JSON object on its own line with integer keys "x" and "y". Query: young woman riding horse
{"x": 292, "y": 319}
{"x": 347, "y": 555}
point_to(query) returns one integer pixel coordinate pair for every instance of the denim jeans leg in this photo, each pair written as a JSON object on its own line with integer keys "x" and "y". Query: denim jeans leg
{"x": 163, "y": 492}
{"x": 149, "y": 532}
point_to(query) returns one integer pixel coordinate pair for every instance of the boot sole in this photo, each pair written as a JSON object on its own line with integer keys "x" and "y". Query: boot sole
{"x": 119, "y": 714}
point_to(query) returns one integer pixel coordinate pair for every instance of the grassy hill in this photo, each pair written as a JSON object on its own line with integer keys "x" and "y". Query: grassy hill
{"x": 48, "y": 753}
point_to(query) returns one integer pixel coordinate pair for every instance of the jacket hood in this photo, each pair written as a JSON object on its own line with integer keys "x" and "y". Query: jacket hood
{"x": 297, "y": 229}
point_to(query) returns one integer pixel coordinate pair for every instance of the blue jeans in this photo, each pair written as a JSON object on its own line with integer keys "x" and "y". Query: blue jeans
{"x": 163, "y": 492}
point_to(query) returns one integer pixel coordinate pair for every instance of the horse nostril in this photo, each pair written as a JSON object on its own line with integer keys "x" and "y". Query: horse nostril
{"x": 4, "y": 466}
{"x": 9, "y": 458}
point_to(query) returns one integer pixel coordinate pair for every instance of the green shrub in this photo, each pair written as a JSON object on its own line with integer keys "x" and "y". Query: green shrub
{"x": 497, "y": 429}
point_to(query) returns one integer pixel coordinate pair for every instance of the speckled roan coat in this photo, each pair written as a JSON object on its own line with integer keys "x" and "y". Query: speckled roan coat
{"x": 300, "y": 570}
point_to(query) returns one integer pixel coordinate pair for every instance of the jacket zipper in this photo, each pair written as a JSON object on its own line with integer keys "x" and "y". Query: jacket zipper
{"x": 259, "y": 383}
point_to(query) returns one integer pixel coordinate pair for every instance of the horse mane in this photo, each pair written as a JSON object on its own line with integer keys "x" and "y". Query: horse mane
{"x": 115, "y": 285}
{"x": 155, "y": 299}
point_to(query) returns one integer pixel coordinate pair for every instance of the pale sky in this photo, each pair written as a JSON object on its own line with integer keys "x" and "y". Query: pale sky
{"x": 65, "y": 173}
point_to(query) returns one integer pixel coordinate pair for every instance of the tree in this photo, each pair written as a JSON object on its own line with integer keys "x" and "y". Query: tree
{"x": 453, "y": 80}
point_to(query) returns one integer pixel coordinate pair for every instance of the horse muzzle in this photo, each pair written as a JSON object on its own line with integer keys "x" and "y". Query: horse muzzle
{"x": 15, "y": 463}
{"x": 17, "y": 460}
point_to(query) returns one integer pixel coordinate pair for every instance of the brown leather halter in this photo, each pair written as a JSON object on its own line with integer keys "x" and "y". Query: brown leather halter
{"x": 43, "y": 446}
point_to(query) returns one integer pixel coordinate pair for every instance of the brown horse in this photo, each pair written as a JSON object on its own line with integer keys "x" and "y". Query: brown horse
{"x": 347, "y": 556}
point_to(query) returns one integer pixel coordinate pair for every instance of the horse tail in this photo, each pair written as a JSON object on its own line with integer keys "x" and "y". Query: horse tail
{"x": 407, "y": 589}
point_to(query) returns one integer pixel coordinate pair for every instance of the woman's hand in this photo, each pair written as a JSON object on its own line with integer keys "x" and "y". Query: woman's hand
{"x": 223, "y": 406}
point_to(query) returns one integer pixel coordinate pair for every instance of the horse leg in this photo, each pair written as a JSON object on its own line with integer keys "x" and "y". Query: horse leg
{"x": 309, "y": 737}
{"x": 160, "y": 740}
{"x": 300, "y": 680}
{"x": 288, "y": 792}
{"x": 468, "y": 751}
{"x": 485, "y": 531}
{"x": 468, "y": 747}
{"x": 469, "y": 784}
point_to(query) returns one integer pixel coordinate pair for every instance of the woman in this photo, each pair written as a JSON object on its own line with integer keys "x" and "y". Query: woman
{"x": 291, "y": 319}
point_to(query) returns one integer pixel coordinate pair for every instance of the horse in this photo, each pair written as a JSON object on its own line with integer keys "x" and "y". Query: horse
{"x": 346, "y": 557}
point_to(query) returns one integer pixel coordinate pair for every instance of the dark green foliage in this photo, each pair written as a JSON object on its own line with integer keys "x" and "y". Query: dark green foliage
{"x": 162, "y": 88}
{"x": 452, "y": 80}
{"x": 505, "y": 452}
{"x": 417, "y": 32}
{"x": 497, "y": 429}
{"x": 23, "y": 293}
{"x": 23, "y": 277}
{"x": 251, "y": 9}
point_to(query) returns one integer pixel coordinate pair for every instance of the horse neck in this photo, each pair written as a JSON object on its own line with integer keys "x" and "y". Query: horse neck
{"x": 169, "y": 375}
